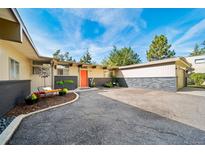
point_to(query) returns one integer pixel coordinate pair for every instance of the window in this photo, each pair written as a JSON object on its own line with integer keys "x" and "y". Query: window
{"x": 200, "y": 61}
{"x": 106, "y": 73}
{"x": 60, "y": 71}
{"x": 13, "y": 69}
{"x": 36, "y": 70}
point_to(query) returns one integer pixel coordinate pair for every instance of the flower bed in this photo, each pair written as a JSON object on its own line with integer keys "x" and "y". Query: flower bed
{"x": 42, "y": 103}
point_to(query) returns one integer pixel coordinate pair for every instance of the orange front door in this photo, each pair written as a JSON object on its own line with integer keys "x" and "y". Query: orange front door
{"x": 83, "y": 78}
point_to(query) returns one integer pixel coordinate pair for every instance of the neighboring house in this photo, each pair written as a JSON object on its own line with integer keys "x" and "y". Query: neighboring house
{"x": 168, "y": 74}
{"x": 21, "y": 67}
{"x": 198, "y": 63}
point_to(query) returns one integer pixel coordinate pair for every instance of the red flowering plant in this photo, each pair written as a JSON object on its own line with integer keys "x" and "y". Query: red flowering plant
{"x": 39, "y": 93}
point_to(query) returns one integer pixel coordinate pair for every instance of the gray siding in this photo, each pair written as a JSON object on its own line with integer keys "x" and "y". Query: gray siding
{"x": 12, "y": 93}
{"x": 72, "y": 86}
{"x": 159, "y": 83}
{"x": 99, "y": 81}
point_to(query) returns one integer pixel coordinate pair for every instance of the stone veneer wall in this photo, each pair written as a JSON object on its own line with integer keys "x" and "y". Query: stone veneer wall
{"x": 12, "y": 93}
{"x": 159, "y": 83}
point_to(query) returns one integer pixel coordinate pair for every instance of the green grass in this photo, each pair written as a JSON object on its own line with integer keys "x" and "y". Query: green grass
{"x": 195, "y": 86}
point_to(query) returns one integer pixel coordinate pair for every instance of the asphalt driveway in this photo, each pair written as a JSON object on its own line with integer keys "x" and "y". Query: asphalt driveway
{"x": 96, "y": 119}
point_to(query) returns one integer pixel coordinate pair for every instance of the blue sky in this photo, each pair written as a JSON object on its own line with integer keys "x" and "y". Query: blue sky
{"x": 75, "y": 30}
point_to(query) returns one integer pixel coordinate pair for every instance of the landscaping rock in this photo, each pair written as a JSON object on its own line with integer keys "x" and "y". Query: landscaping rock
{"x": 4, "y": 122}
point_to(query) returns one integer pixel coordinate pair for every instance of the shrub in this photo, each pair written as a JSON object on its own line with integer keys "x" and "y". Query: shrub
{"x": 62, "y": 82}
{"x": 108, "y": 84}
{"x": 197, "y": 78}
{"x": 92, "y": 83}
{"x": 63, "y": 91}
{"x": 31, "y": 99}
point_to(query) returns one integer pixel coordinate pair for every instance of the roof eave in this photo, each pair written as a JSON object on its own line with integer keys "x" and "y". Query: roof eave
{"x": 16, "y": 14}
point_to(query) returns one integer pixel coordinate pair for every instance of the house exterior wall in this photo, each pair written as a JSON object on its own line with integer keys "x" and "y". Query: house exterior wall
{"x": 161, "y": 77}
{"x": 13, "y": 91}
{"x": 180, "y": 77}
{"x": 37, "y": 81}
{"x": 25, "y": 66}
{"x": 198, "y": 68}
{"x": 155, "y": 83}
{"x": 67, "y": 85}
{"x": 99, "y": 74}
{"x": 150, "y": 71}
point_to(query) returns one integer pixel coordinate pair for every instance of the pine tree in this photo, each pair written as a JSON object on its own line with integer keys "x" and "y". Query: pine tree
{"x": 86, "y": 58}
{"x": 197, "y": 50}
{"x": 62, "y": 56}
{"x": 159, "y": 49}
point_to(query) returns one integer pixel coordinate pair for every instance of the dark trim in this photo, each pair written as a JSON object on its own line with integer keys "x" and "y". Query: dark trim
{"x": 13, "y": 92}
{"x": 69, "y": 86}
{"x": 12, "y": 81}
{"x": 99, "y": 81}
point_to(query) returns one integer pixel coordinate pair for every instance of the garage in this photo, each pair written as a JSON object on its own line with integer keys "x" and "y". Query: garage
{"x": 168, "y": 74}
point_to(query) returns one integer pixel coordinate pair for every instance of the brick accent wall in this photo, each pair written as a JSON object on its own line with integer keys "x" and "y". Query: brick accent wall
{"x": 159, "y": 83}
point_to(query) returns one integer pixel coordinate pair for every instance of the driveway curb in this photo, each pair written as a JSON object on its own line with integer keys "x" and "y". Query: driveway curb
{"x": 11, "y": 128}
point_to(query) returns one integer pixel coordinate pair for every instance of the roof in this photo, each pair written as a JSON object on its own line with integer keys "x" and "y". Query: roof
{"x": 79, "y": 63}
{"x": 157, "y": 62}
{"x": 16, "y": 14}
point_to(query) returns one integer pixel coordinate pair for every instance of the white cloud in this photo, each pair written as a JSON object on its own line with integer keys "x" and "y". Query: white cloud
{"x": 194, "y": 31}
{"x": 123, "y": 27}
{"x": 114, "y": 21}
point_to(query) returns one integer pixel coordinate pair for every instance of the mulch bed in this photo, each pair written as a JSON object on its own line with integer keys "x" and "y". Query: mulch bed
{"x": 41, "y": 104}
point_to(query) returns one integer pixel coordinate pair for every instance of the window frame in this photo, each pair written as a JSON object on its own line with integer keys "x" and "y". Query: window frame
{"x": 64, "y": 68}
{"x": 15, "y": 68}
{"x": 195, "y": 61}
{"x": 59, "y": 70}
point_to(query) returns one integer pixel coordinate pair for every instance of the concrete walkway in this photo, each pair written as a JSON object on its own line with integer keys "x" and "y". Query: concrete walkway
{"x": 95, "y": 119}
{"x": 192, "y": 91}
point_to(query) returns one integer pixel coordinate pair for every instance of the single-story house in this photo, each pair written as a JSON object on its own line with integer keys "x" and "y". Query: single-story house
{"x": 20, "y": 64}
{"x": 21, "y": 67}
{"x": 80, "y": 73}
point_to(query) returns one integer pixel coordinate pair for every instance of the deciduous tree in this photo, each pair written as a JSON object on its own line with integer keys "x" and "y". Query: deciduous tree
{"x": 121, "y": 57}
